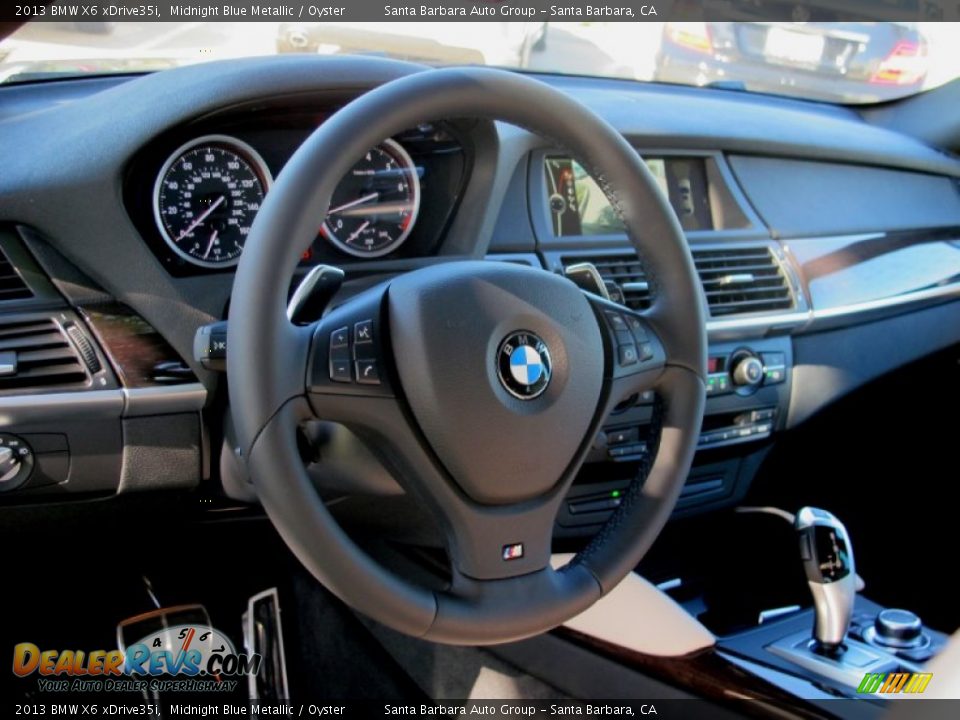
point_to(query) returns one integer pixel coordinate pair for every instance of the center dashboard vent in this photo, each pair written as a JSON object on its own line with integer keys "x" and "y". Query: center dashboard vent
{"x": 735, "y": 280}
{"x": 37, "y": 354}
{"x": 742, "y": 280}
{"x": 12, "y": 286}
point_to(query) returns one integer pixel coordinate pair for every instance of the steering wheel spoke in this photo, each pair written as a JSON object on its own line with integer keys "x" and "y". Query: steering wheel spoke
{"x": 349, "y": 351}
{"x": 635, "y": 355}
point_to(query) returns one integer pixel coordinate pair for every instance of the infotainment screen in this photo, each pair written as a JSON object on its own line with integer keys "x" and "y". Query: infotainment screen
{"x": 579, "y": 207}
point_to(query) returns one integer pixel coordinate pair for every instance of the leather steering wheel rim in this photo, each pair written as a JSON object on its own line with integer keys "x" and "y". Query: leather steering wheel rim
{"x": 269, "y": 363}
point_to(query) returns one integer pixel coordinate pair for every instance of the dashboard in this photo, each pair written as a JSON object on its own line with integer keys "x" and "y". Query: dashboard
{"x": 828, "y": 249}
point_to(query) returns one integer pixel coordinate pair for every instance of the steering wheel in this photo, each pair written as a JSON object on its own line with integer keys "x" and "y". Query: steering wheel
{"x": 481, "y": 385}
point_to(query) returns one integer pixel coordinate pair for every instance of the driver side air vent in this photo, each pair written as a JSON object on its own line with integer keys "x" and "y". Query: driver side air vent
{"x": 742, "y": 280}
{"x": 37, "y": 354}
{"x": 12, "y": 286}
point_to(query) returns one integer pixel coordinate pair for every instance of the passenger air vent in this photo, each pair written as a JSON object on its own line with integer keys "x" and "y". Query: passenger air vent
{"x": 742, "y": 280}
{"x": 36, "y": 354}
{"x": 623, "y": 270}
{"x": 12, "y": 286}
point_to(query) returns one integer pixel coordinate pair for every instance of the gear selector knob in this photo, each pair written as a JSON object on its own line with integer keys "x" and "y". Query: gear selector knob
{"x": 828, "y": 562}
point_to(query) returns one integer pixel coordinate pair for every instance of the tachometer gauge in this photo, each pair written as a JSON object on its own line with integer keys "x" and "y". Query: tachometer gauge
{"x": 206, "y": 197}
{"x": 374, "y": 207}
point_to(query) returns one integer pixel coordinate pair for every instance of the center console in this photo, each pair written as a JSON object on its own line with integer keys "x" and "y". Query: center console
{"x": 748, "y": 392}
{"x": 846, "y": 644}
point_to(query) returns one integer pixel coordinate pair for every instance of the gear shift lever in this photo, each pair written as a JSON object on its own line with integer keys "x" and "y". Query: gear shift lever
{"x": 828, "y": 562}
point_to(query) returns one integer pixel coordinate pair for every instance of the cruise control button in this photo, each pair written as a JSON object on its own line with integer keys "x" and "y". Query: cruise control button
{"x": 624, "y": 338}
{"x": 363, "y": 332}
{"x": 616, "y": 320}
{"x": 621, "y": 436}
{"x": 646, "y": 351}
{"x": 367, "y": 372}
{"x": 637, "y": 328}
{"x": 627, "y": 354}
{"x": 340, "y": 337}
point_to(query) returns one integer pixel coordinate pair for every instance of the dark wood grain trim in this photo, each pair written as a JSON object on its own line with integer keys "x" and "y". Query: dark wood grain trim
{"x": 134, "y": 347}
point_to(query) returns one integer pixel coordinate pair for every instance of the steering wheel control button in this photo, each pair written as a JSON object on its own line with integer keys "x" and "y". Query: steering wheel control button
{"x": 637, "y": 328}
{"x": 340, "y": 338}
{"x": 340, "y": 356}
{"x": 367, "y": 372}
{"x": 340, "y": 371}
{"x": 627, "y": 354}
{"x": 617, "y": 323}
{"x": 363, "y": 332}
{"x": 523, "y": 365}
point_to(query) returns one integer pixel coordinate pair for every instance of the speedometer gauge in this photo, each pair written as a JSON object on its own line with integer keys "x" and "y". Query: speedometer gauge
{"x": 206, "y": 197}
{"x": 374, "y": 207}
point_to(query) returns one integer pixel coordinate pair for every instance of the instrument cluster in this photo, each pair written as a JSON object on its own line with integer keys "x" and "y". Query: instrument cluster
{"x": 206, "y": 185}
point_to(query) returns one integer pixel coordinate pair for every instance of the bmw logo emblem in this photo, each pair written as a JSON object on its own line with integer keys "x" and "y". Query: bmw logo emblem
{"x": 523, "y": 365}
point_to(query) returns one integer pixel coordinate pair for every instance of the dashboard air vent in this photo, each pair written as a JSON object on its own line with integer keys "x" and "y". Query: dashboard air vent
{"x": 37, "y": 354}
{"x": 623, "y": 270}
{"x": 742, "y": 280}
{"x": 12, "y": 286}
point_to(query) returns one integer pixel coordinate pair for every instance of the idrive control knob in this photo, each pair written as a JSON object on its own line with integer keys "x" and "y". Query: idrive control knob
{"x": 898, "y": 628}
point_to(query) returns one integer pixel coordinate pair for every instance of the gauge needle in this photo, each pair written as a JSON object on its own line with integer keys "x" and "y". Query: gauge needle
{"x": 203, "y": 216}
{"x": 386, "y": 208}
{"x": 356, "y": 233}
{"x": 353, "y": 203}
{"x": 213, "y": 239}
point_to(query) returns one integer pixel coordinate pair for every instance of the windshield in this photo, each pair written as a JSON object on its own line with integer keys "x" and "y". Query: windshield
{"x": 837, "y": 62}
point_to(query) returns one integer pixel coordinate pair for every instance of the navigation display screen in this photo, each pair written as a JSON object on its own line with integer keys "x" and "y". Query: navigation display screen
{"x": 579, "y": 207}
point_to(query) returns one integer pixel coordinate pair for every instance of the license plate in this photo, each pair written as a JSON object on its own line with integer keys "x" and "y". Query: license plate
{"x": 793, "y": 46}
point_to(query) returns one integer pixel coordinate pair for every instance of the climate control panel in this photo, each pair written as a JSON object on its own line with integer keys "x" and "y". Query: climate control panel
{"x": 744, "y": 370}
